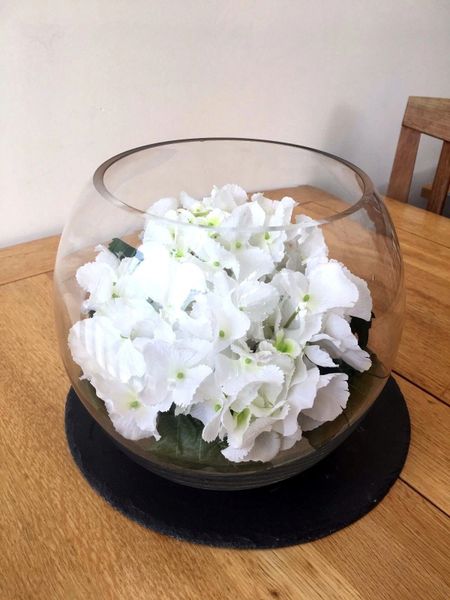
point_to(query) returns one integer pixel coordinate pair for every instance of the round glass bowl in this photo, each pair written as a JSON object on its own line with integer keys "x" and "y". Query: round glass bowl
{"x": 356, "y": 228}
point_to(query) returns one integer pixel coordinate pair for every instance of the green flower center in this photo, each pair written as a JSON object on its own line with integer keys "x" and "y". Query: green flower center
{"x": 242, "y": 417}
{"x": 284, "y": 345}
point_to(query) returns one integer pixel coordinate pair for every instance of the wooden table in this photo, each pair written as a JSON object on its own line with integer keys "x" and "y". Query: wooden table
{"x": 59, "y": 539}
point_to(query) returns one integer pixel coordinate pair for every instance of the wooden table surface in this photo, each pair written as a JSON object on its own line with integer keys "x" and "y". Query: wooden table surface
{"x": 59, "y": 539}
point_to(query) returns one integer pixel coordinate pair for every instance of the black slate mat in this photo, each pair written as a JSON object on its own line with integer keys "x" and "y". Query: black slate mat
{"x": 337, "y": 491}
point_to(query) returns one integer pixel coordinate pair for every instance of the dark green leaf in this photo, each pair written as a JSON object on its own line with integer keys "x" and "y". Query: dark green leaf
{"x": 123, "y": 250}
{"x": 181, "y": 439}
{"x": 341, "y": 367}
{"x": 361, "y": 328}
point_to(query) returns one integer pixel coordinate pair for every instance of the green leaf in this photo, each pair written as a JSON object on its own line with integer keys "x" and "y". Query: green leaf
{"x": 123, "y": 250}
{"x": 181, "y": 440}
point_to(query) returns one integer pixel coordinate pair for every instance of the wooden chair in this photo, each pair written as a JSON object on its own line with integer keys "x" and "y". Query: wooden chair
{"x": 430, "y": 116}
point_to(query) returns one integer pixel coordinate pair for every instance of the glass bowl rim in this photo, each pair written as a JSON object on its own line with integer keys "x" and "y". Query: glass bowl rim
{"x": 366, "y": 183}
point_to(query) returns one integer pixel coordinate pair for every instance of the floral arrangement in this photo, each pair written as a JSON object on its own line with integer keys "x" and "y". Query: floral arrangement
{"x": 241, "y": 322}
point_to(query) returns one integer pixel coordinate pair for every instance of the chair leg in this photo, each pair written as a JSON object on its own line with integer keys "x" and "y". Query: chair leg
{"x": 441, "y": 181}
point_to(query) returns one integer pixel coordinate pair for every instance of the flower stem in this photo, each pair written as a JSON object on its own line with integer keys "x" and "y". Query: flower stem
{"x": 292, "y": 317}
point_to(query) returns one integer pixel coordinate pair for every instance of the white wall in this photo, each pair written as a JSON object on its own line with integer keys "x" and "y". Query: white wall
{"x": 84, "y": 79}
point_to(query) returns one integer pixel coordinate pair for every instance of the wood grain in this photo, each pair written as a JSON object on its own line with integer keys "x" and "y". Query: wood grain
{"x": 425, "y": 192}
{"x": 402, "y": 169}
{"x": 441, "y": 181}
{"x": 26, "y": 260}
{"x": 424, "y": 353}
{"x": 419, "y": 222}
{"x": 446, "y": 396}
{"x": 429, "y": 115}
{"x": 60, "y": 540}
{"x": 427, "y": 468}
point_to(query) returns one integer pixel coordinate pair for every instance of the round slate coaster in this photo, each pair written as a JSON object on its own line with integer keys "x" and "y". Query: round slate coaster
{"x": 334, "y": 493}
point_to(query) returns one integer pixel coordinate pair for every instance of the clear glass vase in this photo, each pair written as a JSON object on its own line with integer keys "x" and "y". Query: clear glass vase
{"x": 357, "y": 229}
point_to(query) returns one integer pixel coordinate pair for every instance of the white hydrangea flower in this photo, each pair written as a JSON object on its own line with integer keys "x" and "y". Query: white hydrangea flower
{"x": 133, "y": 406}
{"x": 339, "y": 341}
{"x": 300, "y": 398}
{"x": 363, "y": 306}
{"x": 217, "y": 319}
{"x": 330, "y": 400}
{"x": 254, "y": 298}
{"x": 161, "y": 207}
{"x": 232, "y": 326}
{"x": 168, "y": 282}
{"x": 277, "y": 213}
{"x": 136, "y": 319}
{"x": 226, "y": 198}
{"x": 307, "y": 247}
{"x": 210, "y": 404}
{"x": 108, "y": 277}
{"x": 179, "y": 366}
{"x": 236, "y": 228}
{"x": 100, "y": 349}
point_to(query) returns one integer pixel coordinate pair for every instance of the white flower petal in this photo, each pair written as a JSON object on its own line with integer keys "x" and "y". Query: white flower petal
{"x": 331, "y": 399}
{"x": 217, "y": 256}
{"x": 98, "y": 347}
{"x": 357, "y": 358}
{"x": 97, "y": 278}
{"x": 288, "y": 441}
{"x": 185, "y": 388}
{"x": 265, "y": 448}
{"x": 189, "y": 203}
{"x": 257, "y": 299}
{"x": 132, "y": 416}
{"x": 363, "y": 306}
{"x": 313, "y": 249}
{"x": 291, "y": 284}
{"x": 234, "y": 377}
{"x": 166, "y": 280}
{"x": 254, "y": 263}
{"x": 235, "y": 454}
{"x": 228, "y": 322}
{"x": 340, "y": 342}
{"x": 257, "y": 427}
{"x": 227, "y": 197}
{"x": 318, "y": 356}
{"x": 161, "y": 207}
{"x": 301, "y": 396}
{"x": 304, "y": 328}
{"x": 329, "y": 288}
{"x": 107, "y": 257}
